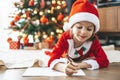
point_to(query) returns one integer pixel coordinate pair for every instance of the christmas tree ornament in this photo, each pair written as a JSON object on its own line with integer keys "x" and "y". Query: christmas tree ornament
{"x": 43, "y": 19}
{"x": 54, "y": 3}
{"x": 60, "y": 17}
{"x": 41, "y": 13}
{"x": 59, "y": 2}
{"x": 48, "y": 2}
{"x": 54, "y": 19}
{"x": 31, "y": 3}
{"x": 12, "y": 23}
{"x": 50, "y": 41}
{"x": 17, "y": 18}
{"x": 64, "y": 4}
{"x": 42, "y": 4}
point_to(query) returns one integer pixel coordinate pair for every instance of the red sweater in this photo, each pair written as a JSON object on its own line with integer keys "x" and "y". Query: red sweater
{"x": 95, "y": 50}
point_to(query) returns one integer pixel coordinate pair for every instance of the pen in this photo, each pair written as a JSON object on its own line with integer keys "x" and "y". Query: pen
{"x": 70, "y": 60}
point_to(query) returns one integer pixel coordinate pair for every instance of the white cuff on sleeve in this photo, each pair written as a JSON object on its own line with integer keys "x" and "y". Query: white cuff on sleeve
{"x": 93, "y": 63}
{"x": 62, "y": 60}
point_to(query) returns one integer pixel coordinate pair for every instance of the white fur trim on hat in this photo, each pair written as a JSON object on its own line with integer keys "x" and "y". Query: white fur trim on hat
{"x": 65, "y": 27}
{"x": 84, "y": 16}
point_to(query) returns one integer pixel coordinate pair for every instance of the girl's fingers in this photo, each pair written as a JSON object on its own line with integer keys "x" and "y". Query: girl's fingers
{"x": 70, "y": 71}
{"x": 72, "y": 66}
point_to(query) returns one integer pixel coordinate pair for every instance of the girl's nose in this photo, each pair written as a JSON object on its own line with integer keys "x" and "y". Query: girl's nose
{"x": 83, "y": 31}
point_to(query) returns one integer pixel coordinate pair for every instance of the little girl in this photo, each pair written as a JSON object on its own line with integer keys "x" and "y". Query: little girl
{"x": 79, "y": 41}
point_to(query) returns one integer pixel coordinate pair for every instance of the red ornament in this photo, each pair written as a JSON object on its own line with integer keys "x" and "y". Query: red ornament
{"x": 17, "y": 18}
{"x": 50, "y": 39}
{"x": 44, "y": 19}
{"x": 12, "y": 23}
{"x": 31, "y": 3}
{"x": 42, "y": 3}
{"x": 60, "y": 17}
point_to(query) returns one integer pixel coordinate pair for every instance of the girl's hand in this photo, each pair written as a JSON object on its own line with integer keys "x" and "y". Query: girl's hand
{"x": 71, "y": 68}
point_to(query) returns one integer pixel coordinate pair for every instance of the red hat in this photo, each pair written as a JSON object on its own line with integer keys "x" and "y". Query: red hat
{"x": 83, "y": 10}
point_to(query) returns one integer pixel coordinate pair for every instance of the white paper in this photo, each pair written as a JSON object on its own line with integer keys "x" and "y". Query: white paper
{"x": 35, "y": 71}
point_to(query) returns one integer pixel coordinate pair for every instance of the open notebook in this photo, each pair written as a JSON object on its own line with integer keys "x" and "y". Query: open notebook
{"x": 37, "y": 71}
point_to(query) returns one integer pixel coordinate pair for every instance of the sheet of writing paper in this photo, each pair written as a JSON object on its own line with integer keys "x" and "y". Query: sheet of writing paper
{"x": 36, "y": 71}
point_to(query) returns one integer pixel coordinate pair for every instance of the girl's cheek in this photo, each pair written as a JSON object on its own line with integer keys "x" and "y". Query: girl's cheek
{"x": 74, "y": 30}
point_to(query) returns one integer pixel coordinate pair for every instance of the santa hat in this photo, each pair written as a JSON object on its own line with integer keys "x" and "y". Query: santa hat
{"x": 83, "y": 10}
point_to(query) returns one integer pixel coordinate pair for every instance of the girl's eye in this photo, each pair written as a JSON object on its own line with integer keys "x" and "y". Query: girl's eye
{"x": 79, "y": 27}
{"x": 89, "y": 29}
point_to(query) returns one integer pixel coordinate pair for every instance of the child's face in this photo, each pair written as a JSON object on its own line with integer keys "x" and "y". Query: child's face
{"x": 83, "y": 30}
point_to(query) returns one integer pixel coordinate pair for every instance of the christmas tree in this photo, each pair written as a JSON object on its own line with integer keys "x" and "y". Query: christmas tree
{"x": 43, "y": 19}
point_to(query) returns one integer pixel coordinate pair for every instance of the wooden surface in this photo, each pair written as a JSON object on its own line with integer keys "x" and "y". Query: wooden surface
{"x": 109, "y": 19}
{"x": 110, "y": 73}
